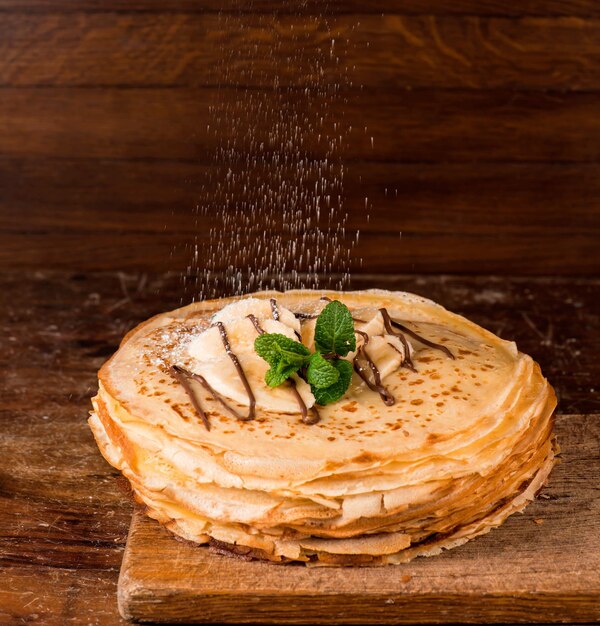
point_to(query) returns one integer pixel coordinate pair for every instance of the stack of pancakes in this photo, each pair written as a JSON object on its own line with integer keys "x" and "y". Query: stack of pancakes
{"x": 467, "y": 442}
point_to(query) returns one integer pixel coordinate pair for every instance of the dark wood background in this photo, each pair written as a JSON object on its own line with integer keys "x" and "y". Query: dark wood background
{"x": 485, "y": 117}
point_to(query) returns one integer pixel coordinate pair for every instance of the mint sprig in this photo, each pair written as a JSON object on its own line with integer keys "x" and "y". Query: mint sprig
{"x": 334, "y": 330}
{"x": 334, "y": 392}
{"x": 328, "y": 376}
{"x": 321, "y": 373}
{"x": 284, "y": 355}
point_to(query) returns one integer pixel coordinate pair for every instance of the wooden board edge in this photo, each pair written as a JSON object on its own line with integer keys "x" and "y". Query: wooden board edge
{"x": 359, "y": 609}
{"x": 141, "y": 602}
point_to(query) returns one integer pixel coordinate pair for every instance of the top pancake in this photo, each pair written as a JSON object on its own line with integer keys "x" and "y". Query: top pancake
{"x": 450, "y": 412}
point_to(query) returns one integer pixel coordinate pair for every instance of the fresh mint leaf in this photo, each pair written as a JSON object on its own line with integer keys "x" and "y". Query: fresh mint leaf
{"x": 320, "y": 372}
{"x": 274, "y": 348}
{"x": 334, "y": 330}
{"x": 278, "y": 375}
{"x": 338, "y": 389}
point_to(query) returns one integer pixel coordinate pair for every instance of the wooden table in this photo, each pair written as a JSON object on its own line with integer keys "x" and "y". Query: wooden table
{"x": 64, "y": 513}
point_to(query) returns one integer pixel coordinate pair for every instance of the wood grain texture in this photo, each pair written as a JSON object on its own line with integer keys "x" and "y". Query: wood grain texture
{"x": 385, "y": 252}
{"x": 478, "y": 118}
{"x": 375, "y": 51}
{"x": 64, "y": 513}
{"x": 159, "y": 195}
{"x": 417, "y": 126}
{"x": 580, "y": 8}
{"x": 523, "y": 571}
{"x": 500, "y": 218}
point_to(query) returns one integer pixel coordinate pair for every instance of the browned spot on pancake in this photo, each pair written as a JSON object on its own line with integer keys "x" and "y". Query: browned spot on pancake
{"x": 426, "y": 359}
{"x": 364, "y": 457}
{"x": 440, "y": 403}
{"x": 463, "y": 351}
{"x": 420, "y": 381}
{"x": 331, "y": 438}
{"x": 435, "y": 437}
{"x": 350, "y": 407}
{"x": 435, "y": 376}
{"x": 177, "y": 409}
{"x": 417, "y": 401}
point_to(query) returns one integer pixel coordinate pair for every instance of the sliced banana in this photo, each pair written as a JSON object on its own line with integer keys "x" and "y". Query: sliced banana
{"x": 212, "y": 361}
{"x": 368, "y": 320}
{"x": 387, "y": 352}
{"x": 308, "y": 334}
{"x": 260, "y": 308}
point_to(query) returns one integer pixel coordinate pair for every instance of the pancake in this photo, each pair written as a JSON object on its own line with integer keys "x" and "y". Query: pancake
{"x": 444, "y": 431}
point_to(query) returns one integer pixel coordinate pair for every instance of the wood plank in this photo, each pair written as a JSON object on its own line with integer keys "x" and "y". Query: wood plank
{"x": 375, "y": 51}
{"x": 413, "y": 126}
{"x": 71, "y": 195}
{"x": 377, "y": 252}
{"x": 581, "y": 8}
{"x": 460, "y": 216}
{"x": 58, "y": 597}
{"x": 521, "y": 571}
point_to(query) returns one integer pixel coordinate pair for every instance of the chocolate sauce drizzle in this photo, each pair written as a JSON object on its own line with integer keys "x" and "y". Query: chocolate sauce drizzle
{"x": 240, "y": 371}
{"x": 390, "y": 324}
{"x": 306, "y": 316}
{"x": 274, "y": 309}
{"x": 361, "y": 353}
{"x": 308, "y": 417}
{"x": 184, "y": 377}
{"x": 387, "y": 322}
{"x": 259, "y": 329}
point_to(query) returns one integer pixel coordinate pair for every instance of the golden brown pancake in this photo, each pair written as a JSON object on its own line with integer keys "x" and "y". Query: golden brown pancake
{"x": 460, "y": 439}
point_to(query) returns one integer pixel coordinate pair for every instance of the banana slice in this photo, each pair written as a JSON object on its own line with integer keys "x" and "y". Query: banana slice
{"x": 261, "y": 309}
{"x": 212, "y": 361}
{"x": 387, "y": 352}
{"x": 368, "y": 320}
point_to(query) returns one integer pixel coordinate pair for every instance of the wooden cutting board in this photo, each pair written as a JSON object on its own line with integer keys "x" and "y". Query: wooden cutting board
{"x": 542, "y": 566}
